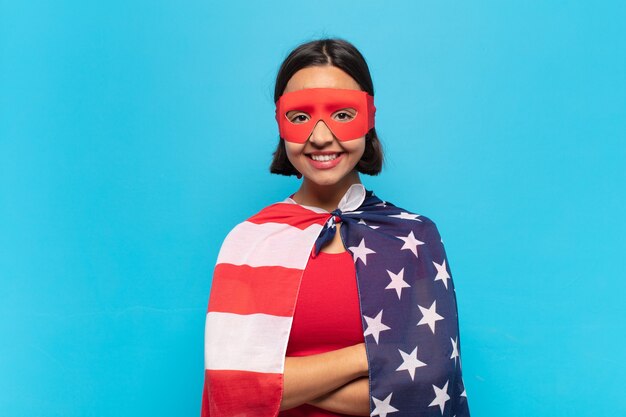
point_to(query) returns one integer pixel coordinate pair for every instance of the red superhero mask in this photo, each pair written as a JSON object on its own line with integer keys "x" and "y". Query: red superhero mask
{"x": 322, "y": 104}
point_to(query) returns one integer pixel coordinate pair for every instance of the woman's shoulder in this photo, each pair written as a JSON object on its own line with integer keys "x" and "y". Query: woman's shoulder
{"x": 414, "y": 228}
{"x": 407, "y": 221}
{"x": 271, "y": 213}
{"x": 390, "y": 209}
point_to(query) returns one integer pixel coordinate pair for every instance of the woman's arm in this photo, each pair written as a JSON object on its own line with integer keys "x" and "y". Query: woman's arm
{"x": 352, "y": 398}
{"x": 309, "y": 377}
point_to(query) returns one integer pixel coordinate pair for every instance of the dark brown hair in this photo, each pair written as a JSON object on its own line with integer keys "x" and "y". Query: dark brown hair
{"x": 343, "y": 55}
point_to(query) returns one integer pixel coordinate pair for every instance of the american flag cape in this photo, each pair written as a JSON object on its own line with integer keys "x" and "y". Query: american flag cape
{"x": 407, "y": 299}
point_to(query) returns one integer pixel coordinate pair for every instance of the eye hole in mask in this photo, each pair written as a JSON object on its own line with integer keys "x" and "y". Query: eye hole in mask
{"x": 349, "y": 114}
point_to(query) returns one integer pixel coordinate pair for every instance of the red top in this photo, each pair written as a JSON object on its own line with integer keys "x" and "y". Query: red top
{"x": 327, "y": 315}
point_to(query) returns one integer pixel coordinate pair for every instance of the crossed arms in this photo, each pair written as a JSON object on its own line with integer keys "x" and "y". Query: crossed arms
{"x": 336, "y": 381}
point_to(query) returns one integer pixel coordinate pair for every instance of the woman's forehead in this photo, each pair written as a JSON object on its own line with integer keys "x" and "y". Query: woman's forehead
{"x": 321, "y": 77}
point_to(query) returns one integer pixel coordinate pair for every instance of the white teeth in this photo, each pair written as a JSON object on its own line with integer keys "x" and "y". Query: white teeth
{"x": 324, "y": 157}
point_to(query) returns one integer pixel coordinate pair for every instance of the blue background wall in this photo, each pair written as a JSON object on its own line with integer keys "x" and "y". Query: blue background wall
{"x": 135, "y": 134}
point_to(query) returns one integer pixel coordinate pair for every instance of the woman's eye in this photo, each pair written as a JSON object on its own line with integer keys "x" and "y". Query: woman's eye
{"x": 298, "y": 118}
{"x": 344, "y": 116}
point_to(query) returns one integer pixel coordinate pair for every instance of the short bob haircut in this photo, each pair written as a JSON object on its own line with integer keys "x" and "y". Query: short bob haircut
{"x": 343, "y": 55}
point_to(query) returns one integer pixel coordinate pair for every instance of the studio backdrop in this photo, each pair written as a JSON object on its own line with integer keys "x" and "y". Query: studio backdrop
{"x": 134, "y": 135}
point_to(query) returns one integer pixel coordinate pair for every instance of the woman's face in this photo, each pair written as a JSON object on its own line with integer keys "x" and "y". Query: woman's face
{"x": 339, "y": 158}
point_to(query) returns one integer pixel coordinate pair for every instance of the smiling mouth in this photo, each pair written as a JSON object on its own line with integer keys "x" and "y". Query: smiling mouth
{"x": 324, "y": 157}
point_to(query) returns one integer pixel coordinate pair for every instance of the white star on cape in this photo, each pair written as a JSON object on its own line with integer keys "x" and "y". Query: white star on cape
{"x": 410, "y": 362}
{"x": 442, "y": 273}
{"x": 382, "y": 408}
{"x": 455, "y": 350}
{"x": 430, "y": 316}
{"x": 406, "y": 216}
{"x": 411, "y": 243}
{"x": 397, "y": 282}
{"x": 361, "y": 252}
{"x": 441, "y": 396}
{"x": 375, "y": 326}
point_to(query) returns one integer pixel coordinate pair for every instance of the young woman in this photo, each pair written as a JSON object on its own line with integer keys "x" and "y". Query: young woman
{"x": 331, "y": 302}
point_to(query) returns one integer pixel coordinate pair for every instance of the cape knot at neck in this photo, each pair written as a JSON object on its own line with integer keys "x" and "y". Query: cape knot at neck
{"x": 328, "y": 231}
{"x": 336, "y": 216}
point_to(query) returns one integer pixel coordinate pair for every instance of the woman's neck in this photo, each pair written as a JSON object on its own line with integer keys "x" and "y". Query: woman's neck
{"x": 326, "y": 197}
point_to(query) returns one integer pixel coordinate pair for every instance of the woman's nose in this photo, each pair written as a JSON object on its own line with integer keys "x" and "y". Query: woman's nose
{"x": 321, "y": 133}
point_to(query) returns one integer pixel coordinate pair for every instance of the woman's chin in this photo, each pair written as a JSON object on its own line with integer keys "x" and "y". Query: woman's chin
{"x": 325, "y": 180}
